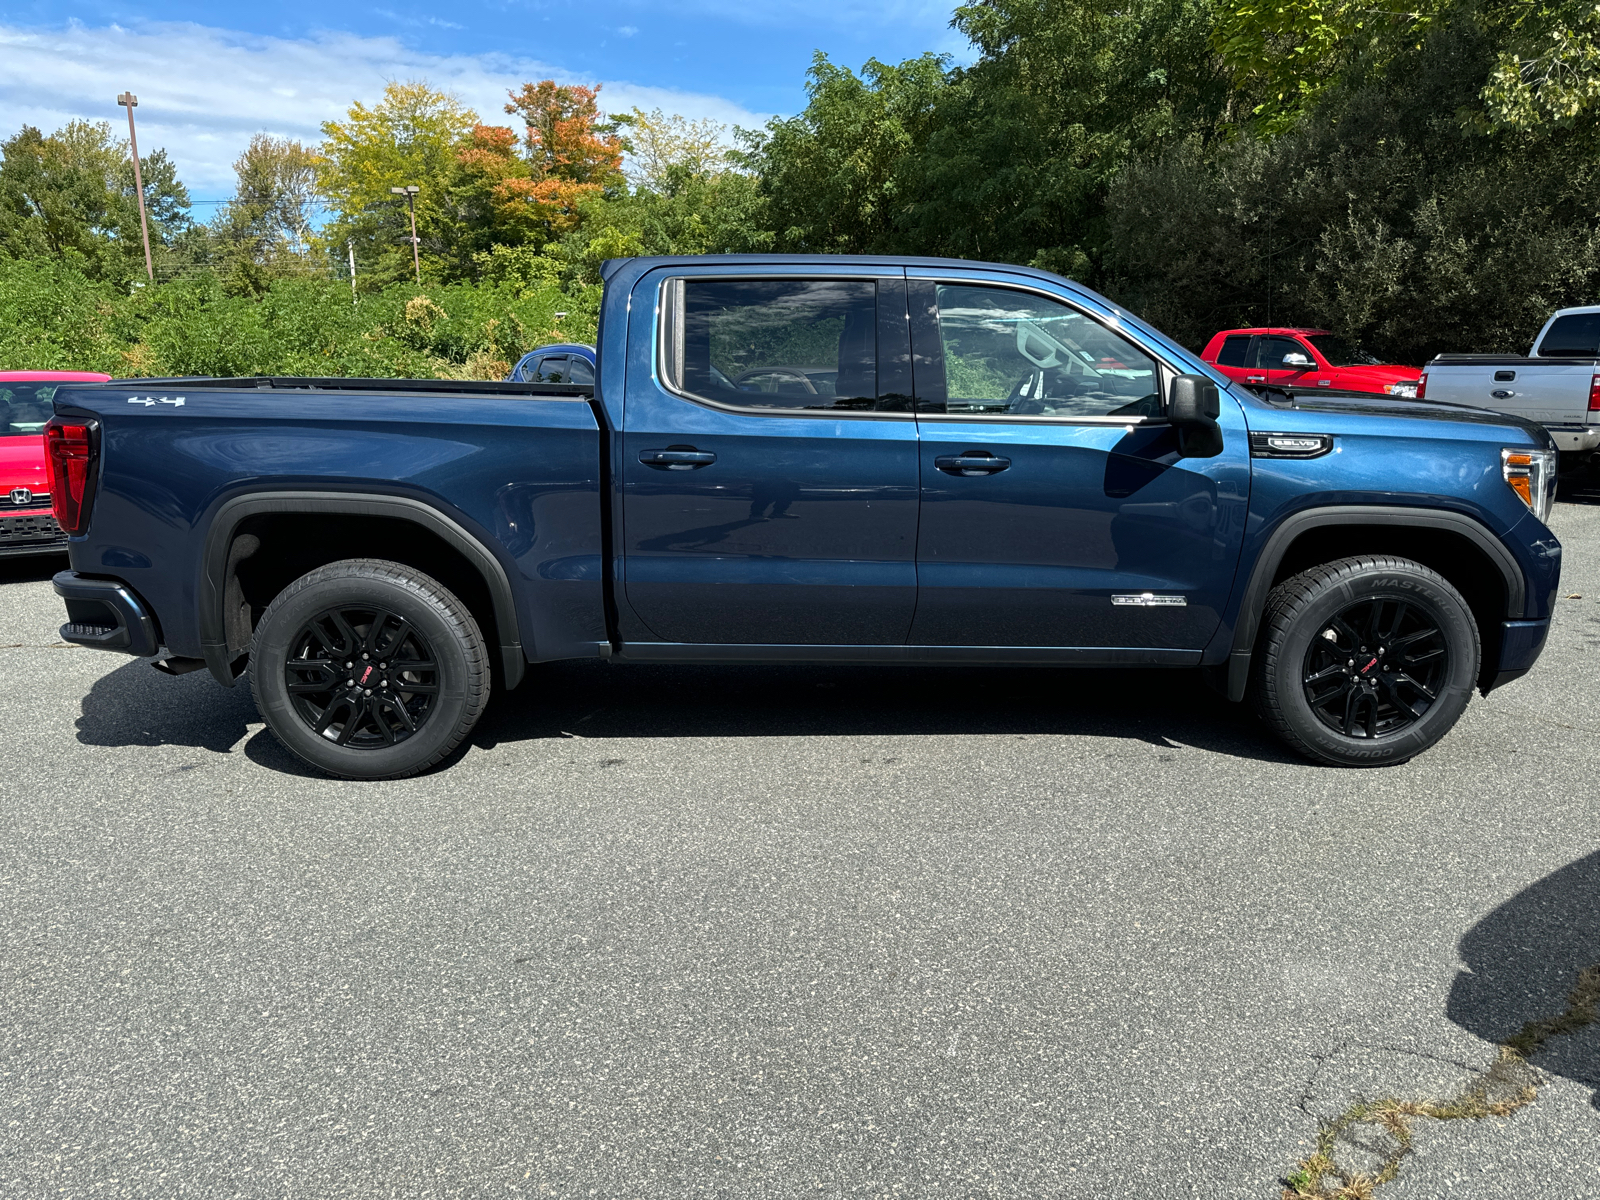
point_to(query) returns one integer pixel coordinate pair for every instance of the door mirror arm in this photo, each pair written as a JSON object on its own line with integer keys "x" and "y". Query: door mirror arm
{"x": 1193, "y": 406}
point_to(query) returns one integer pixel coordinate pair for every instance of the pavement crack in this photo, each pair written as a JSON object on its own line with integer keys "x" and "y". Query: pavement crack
{"x": 1382, "y": 1130}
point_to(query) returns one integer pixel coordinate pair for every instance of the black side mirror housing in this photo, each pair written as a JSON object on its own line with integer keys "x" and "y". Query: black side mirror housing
{"x": 1193, "y": 406}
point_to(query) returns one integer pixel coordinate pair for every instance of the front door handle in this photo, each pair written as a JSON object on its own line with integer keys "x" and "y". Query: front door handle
{"x": 677, "y": 458}
{"x": 971, "y": 463}
{"x": 1255, "y": 378}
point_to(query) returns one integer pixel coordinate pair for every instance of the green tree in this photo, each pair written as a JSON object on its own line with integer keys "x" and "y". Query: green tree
{"x": 835, "y": 178}
{"x": 265, "y": 231}
{"x": 411, "y": 136}
{"x": 71, "y": 196}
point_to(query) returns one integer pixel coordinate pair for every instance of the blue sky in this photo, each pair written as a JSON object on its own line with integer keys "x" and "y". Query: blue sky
{"x": 208, "y": 76}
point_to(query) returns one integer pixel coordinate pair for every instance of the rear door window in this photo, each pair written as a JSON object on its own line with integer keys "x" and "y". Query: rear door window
{"x": 807, "y": 344}
{"x": 1576, "y": 335}
{"x": 1234, "y": 349}
{"x": 579, "y": 370}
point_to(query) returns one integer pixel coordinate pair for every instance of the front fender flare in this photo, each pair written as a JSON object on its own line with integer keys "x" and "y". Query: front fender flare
{"x": 1254, "y": 600}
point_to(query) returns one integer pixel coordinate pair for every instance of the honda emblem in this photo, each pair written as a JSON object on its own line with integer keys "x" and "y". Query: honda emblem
{"x": 21, "y": 496}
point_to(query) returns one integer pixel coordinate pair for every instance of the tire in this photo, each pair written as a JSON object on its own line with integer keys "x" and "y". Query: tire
{"x": 372, "y": 724}
{"x": 1401, "y": 688}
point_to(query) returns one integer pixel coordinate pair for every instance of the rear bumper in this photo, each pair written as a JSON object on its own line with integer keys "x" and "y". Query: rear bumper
{"x": 1520, "y": 644}
{"x": 1571, "y": 439}
{"x": 30, "y": 533}
{"x": 106, "y": 614}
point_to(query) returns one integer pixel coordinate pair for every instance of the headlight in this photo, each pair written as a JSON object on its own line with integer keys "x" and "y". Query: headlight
{"x": 1406, "y": 388}
{"x": 1531, "y": 475}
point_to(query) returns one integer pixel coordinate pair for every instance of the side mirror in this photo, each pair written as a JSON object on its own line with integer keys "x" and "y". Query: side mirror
{"x": 1193, "y": 407}
{"x": 1295, "y": 359}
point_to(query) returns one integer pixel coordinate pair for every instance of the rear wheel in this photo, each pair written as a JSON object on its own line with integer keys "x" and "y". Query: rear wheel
{"x": 1365, "y": 661}
{"x": 368, "y": 669}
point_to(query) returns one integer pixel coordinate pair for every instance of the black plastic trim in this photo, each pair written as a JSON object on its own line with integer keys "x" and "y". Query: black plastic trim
{"x": 226, "y": 520}
{"x": 1255, "y": 594}
{"x": 309, "y": 383}
{"x": 1083, "y": 656}
{"x": 1261, "y": 445}
{"x": 135, "y": 629}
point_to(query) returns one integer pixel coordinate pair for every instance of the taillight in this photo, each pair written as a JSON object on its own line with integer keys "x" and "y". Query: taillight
{"x": 1422, "y": 386}
{"x": 1594, "y": 396}
{"x": 69, "y": 446}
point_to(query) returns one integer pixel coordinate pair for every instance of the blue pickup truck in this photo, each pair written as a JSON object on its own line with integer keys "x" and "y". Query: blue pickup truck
{"x": 797, "y": 459}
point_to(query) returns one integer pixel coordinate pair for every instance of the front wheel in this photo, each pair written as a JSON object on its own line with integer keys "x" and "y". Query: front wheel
{"x": 368, "y": 669}
{"x": 1366, "y": 661}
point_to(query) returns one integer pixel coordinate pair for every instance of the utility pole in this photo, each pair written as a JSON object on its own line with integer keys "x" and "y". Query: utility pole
{"x": 350, "y": 244}
{"x": 129, "y": 101}
{"x": 410, "y": 193}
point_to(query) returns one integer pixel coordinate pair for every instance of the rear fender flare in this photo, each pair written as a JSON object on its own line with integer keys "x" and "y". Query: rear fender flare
{"x": 214, "y": 564}
{"x": 1254, "y": 600}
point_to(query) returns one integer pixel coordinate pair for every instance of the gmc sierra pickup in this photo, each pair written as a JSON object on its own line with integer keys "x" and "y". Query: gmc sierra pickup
{"x": 789, "y": 459}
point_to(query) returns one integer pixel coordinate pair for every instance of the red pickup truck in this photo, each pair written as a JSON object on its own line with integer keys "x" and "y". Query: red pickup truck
{"x": 1286, "y": 357}
{"x": 26, "y": 526}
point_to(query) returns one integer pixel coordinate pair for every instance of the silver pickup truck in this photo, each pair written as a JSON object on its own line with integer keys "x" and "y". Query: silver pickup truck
{"x": 1558, "y": 385}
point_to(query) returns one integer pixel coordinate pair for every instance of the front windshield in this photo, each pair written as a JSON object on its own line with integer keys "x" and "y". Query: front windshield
{"x": 1339, "y": 352}
{"x": 25, "y": 407}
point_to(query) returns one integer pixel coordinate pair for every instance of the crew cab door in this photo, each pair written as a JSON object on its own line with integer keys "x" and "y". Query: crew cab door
{"x": 1053, "y": 495}
{"x": 769, "y": 464}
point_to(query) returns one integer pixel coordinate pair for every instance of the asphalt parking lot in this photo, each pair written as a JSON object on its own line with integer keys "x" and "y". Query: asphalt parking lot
{"x": 761, "y": 932}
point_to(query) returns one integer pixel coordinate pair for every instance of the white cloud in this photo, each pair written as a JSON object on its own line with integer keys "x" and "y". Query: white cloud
{"x": 204, "y": 91}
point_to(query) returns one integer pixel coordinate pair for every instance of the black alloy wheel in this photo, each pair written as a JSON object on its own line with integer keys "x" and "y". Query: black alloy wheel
{"x": 1364, "y": 661}
{"x": 362, "y": 677}
{"x": 369, "y": 669}
{"x": 1376, "y": 668}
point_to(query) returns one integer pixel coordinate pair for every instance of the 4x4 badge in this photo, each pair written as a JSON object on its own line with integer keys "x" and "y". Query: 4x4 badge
{"x": 149, "y": 400}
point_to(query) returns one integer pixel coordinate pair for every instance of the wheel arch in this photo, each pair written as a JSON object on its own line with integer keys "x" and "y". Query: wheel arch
{"x": 1460, "y": 548}
{"x": 427, "y": 538}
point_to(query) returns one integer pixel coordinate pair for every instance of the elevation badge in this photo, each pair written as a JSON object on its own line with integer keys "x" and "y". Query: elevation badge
{"x": 1149, "y": 600}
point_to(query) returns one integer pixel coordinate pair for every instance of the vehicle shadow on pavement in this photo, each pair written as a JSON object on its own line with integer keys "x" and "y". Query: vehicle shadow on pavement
{"x": 597, "y": 700}
{"x": 31, "y": 568}
{"x": 136, "y": 705}
{"x": 1583, "y": 489}
{"x": 1522, "y": 964}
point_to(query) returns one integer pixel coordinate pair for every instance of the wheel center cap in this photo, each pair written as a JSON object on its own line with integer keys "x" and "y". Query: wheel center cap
{"x": 1370, "y": 665}
{"x": 366, "y": 674}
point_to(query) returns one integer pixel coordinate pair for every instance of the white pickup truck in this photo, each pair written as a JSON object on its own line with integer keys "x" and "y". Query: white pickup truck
{"x": 1558, "y": 385}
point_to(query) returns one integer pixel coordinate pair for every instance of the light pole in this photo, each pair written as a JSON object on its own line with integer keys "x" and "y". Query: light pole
{"x": 350, "y": 245}
{"x": 129, "y": 101}
{"x": 410, "y": 193}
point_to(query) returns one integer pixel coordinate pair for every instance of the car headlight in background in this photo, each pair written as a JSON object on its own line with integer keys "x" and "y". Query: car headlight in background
{"x": 1531, "y": 475}
{"x": 1406, "y": 388}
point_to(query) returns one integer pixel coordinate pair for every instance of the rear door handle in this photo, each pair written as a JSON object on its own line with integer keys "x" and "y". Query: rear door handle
{"x": 972, "y": 463}
{"x": 677, "y": 458}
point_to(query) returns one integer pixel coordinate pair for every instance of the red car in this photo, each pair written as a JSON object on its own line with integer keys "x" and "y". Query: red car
{"x": 1306, "y": 358}
{"x": 26, "y": 526}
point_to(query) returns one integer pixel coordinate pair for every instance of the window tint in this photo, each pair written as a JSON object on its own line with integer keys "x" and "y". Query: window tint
{"x": 579, "y": 370}
{"x": 1340, "y": 352}
{"x": 1272, "y": 350}
{"x": 1576, "y": 335}
{"x": 1018, "y": 354}
{"x": 777, "y": 343}
{"x": 25, "y": 407}
{"x": 1233, "y": 350}
{"x": 552, "y": 369}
